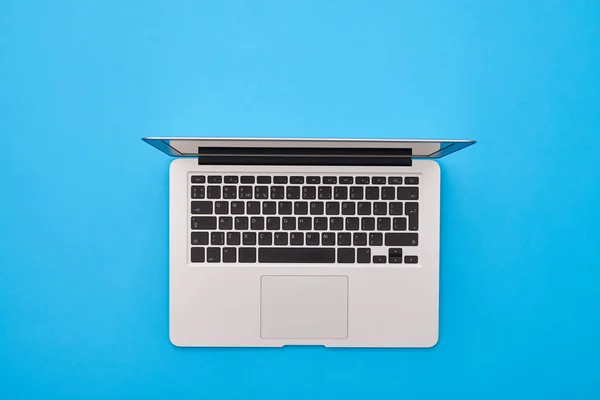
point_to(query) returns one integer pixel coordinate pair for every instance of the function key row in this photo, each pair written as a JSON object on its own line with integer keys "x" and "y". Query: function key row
{"x": 313, "y": 180}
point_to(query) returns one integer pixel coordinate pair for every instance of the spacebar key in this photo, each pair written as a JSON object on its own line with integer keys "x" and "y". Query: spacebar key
{"x": 296, "y": 255}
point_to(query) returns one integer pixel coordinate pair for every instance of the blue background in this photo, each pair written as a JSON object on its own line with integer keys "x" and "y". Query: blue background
{"x": 84, "y": 222}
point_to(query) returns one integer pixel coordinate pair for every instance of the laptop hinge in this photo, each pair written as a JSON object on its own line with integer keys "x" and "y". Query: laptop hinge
{"x": 304, "y": 156}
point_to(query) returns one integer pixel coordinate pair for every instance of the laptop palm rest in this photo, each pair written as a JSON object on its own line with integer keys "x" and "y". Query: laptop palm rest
{"x": 304, "y": 307}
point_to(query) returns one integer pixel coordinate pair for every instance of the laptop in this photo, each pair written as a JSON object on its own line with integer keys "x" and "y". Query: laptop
{"x": 331, "y": 242}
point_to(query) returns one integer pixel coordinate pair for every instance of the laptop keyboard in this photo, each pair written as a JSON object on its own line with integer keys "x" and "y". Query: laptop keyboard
{"x": 304, "y": 219}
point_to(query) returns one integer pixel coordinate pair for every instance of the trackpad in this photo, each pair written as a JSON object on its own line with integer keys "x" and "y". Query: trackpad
{"x": 304, "y": 307}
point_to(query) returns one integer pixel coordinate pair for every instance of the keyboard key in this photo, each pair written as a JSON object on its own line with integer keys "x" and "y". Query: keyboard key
{"x": 376, "y": 239}
{"x": 367, "y": 224}
{"x": 233, "y": 238}
{"x": 313, "y": 180}
{"x": 213, "y": 254}
{"x": 261, "y": 192}
{"x": 328, "y": 239}
{"x": 245, "y": 192}
{"x": 229, "y": 254}
{"x": 197, "y": 192}
{"x": 321, "y": 223}
{"x": 360, "y": 239}
{"x": 408, "y": 193}
{"x": 363, "y": 256}
{"x": 346, "y": 256}
{"x": 198, "y": 179}
{"x": 277, "y": 192}
{"x": 411, "y": 259}
{"x": 263, "y": 179}
{"x": 301, "y": 208}
{"x": 230, "y": 179}
{"x": 253, "y": 207}
{"x": 332, "y": 208}
{"x": 346, "y": 180}
{"x": 364, "y": 208}
{"x": 237, "y": 207}
{"x": 217, "y": 238}
{"x": 379, "y": 259}
{"x": 247, "y": 179}
{"x": 395, "y": 208}
{"x": 388, "y": 193}
{"x": 340, "y": 192}
{"x": 399, "y": 224}
{"x": 269, "y": 207}
{"x": 312, "y": 239}
{"x": 372, "y": 193}
{"x": 395, "y": 252}
{"x": 285, "y": 208}
{"x": 309, "y": 192}
{"x": 362, "y": 180}
{"x": 317, "y": 208}
{"x": 356, "y": 192}
{"x": 336, "y": 223}
{"x": 221, "y": 207}
{"x": 395, "y": 180}
{"x": 378, "y": 180}
{"x": 241, "y": 223}
{"x": 265, "y": 238}
{"x": 411, "y": 180}
{"x": 197, "y": 254}
{"x": 296, "y": 180}
{"x": 247, "y": 254}
{"x": 348, "y": 208}
{"x": 344, "y": 239}
{"x": 412, "y": 210}
{"x": 273, "y": 223}
{"x": 384, "y": 223}
{"x": 281, "y": 238}
{"x": 304, "y": 223}
{"x": 380, "y": 208}
{"x": 280, "y": 179}
{"x": 289, "y": 223}
{"x": 352, "y": 223}
{"x": 303, "y": 255}
{"x": 202, "y": 207}
{"x": 225, "y": 223}
{"x": 204, "y": 223}
{"x": 329, "y": 180}
{"x": 249, "y": 238}
{"x": 214, "y": 179}
{"x": 293, "y": 192}
{"x": 229, "y": 192}
{"x": 324, "y": 192}
{"x": 297, "y": 239}
{"x": 199, "y": 238}
{"x": 257, "y": 223}
{"x": 401, "y": 239}
{"x": 214, "y": 192}
{"x": 395, "y": 260}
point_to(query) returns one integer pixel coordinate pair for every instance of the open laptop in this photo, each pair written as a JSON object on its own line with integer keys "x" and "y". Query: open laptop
{"x": 330, "y": 242}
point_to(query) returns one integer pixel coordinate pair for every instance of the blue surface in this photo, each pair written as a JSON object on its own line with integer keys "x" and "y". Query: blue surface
{"x": 83, "y": 221}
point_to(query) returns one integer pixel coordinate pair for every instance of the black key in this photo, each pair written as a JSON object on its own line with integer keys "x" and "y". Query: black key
{"x": 408, "y": 193}
{"x": 380, "y": 208}
{"x": 320, "y": 223}
{"x": 249, "y": 238}
{"x": 313, "y": 180}
{"x": 395, "y": 208}
{"x": 395, "y": 252}
{"x": 372, "y": 193}
{"x": 312, "y": 239}
{"x": 303, "y": 255}
{"x": 324, "y": 192}
{"x": 198, "y": 179}
{"x": 229, "y": 254}
{"x": 233, "y": 238}
{"x": 301, "y": 208}
{"x": 309, "y": 192}
{"x": 336, "y": 223}
{"x": 214, "y": 179}
{"x": 346, "y": 180}
{"x": 412, "y": 210}
{"x": 352, "y": 223}
{"x": 395, "y": 180}
{"x": 304, "y": 223}
{"x": 199, "y": 238}
{"x": 375, "y": 239}
{"x": 367, "y": 224}
{"x": 201, "y": 223}
{"x": 280, "y": 179}
{"x": 197, "y": 192}
{"x": 245, "y": 192}
{"x": 317, "y": 208}
{"x": 378, "y": 180}
{"x": 388, "y": 193}
{"x": 197, "y": 254}
{"x": 230, "y": 179}
{"x": 237, "y": 207}
{"x": 348, "y": 208}
{"x": 363, "y": 256}
{"x": 265, "y": 238}
{"x": 411, "y": 180}
{"x": 229, "y": 192}
{"x": 225, "y": 223}
{"x": 281, "y": 238}
{"x": 217, "y": 238}
{"x": 289, "y": 223}
{"x": 362, "y": 180}
{"x": 273, "y": 223}
{"x": 247, "y": 254}
{"x": 399, "y": 224}
{"x": 384, "y": 224}
{"x": 202, "y": 207}
{"x": 247, "y": 179}
{"x": 253, "y": 207}
{"x": 356, "y": 192}
{"x": 269, "y": 207}
{"x": 364, "y": 208}
{"x": 257, "y": 223}
{"x": 344, "y": 239}
{"x": 340, "y": 192}
{"x": 411, "y": 259}
{"x": 346, "y": 256}
{"x": 293, "y": 192}
{"x": 360, "y": 239}
{"x": 379, "y": 259}
{"x": 401, "y": 239}
{"x": 213, "y": 254}
{"x": 329, "y": 180}
{"x": 297, "y": 239}
{"x": 332, "y": 208}
{"x": 241, "y": 223}
{"x": 395, "y": 260}
{"x": 285, "y": 208}
{"x": 221, "y": 207}
{"x": 297, "y": 180}
{"x": 263, "y": 179}
{"x": 277, "y": 192}
{"x": 214, "y": 192}
{"x": 261, "y": 192}
{"x": 328, "y": 239}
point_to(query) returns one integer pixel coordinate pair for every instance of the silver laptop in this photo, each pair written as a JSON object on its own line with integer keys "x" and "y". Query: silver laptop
{"x": 330, "y": 242}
